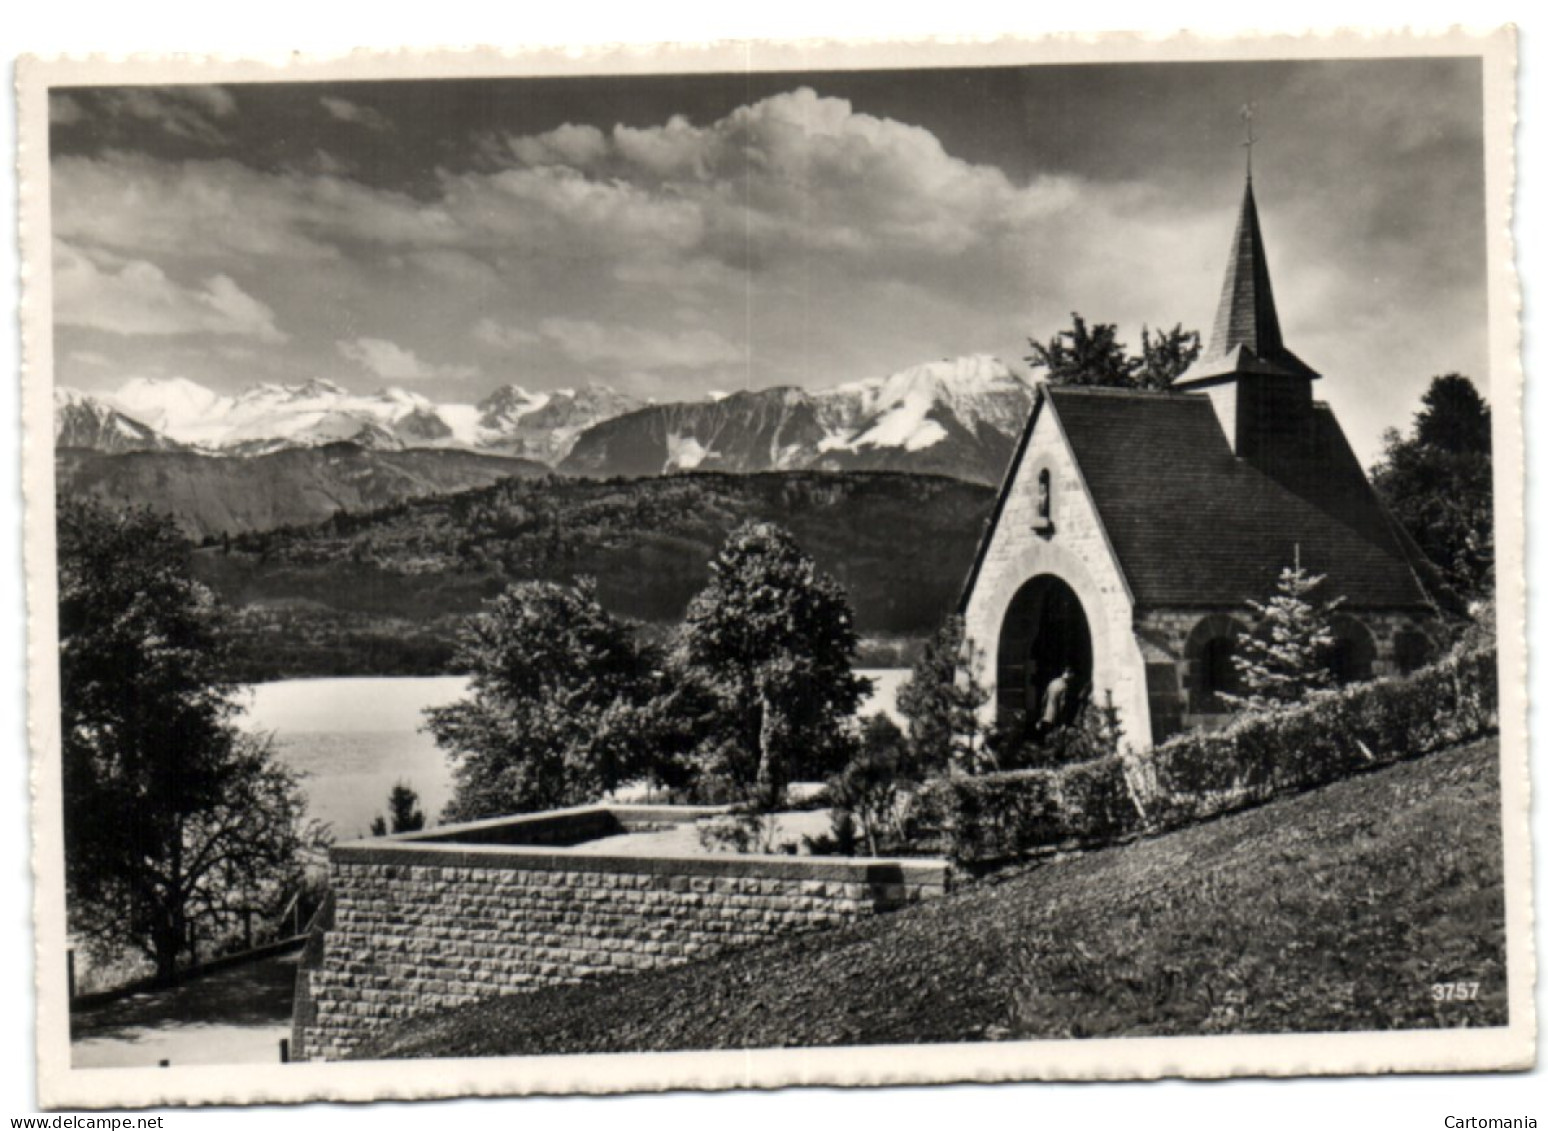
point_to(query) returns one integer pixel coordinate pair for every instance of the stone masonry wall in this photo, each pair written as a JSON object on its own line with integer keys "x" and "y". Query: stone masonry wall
{"x": 1073, "y": 548}
{"x": 1163, "y": 635}
{"x": 419, "y": 924}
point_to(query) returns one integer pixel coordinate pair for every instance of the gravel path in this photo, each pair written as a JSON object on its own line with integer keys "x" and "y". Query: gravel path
{"x": 233, "y": 1016}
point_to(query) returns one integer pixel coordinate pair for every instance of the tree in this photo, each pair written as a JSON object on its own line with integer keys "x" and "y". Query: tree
{"x": 774, "y": 642}
{"x": 941, "y": 700}
{"x": 557, "y": 684}
{"x": 403, "y": 812}
{"x": 177, "y": 825}
{"x": 1084, "y": 356}
{"x": 1166, "y": 356}
{"x": 1287, "y": 655}
{"x": 1438, "y": 484}
{"x": 871, "y": 782}
{"x": 1093, "y": 355}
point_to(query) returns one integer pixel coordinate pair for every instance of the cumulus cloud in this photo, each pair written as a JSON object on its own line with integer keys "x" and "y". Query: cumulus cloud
{"x": 136, "y": 297}
{"x": 343, "y": 110}
{"x": 577, "y": 146}
{"x": 392, "y": 362}
{"x": 794, "y": 175}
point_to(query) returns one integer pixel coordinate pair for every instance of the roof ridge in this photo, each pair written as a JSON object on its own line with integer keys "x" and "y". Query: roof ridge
{"x": 1117, "y": 391}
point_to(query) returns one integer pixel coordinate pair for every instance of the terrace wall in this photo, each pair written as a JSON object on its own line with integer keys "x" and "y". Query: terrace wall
{"x": 429, "y": 921}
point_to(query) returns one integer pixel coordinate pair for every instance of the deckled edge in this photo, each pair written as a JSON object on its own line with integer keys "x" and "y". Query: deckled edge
{"x": 1194, "y": 1057}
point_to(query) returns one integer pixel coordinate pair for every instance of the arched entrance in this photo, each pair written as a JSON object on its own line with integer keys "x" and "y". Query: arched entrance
{"x": 1044, "y": 629}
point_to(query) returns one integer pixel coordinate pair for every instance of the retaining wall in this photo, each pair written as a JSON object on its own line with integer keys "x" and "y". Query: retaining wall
{"x": 428, "y": 921}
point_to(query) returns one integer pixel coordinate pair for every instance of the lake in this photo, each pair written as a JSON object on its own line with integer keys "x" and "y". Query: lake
{"x": 355, "y": 738}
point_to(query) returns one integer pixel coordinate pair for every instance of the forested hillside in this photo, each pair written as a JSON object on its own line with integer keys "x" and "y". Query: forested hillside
{"x": 213, "y": 495}
{"x": 380, "y": 592}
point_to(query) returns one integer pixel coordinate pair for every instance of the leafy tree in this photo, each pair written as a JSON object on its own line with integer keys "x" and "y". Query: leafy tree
{"x": 941, "y": 700}
{"x": 1438, "y": 484}
{"x": 1287, "y": 655}
{"x": 1093, "y": 355}
{"x": 177, "y": 825}
{"x": 403, "y": 812}
{"x": 1164, "y": 357}
{"x": 557, "y": 684}
{"x": 1084, "y": 355}
{"x": 773, "y": 641}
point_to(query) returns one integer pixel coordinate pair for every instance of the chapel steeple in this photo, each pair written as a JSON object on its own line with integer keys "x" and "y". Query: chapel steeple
{"x": 1261, "y": 391}
{"x": 1246, "y": 336}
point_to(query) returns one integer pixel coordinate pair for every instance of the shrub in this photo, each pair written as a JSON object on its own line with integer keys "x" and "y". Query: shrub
{"x": 1334, "y": 734}
{"x": 1331, "y": 735}
{"x": 843, "y": 839}
{"x": 1002, "y": 815}
{"x": 871, "y": 783}
{"x": 1095, "y": 802}
{"x": 747, "y": 831}
{"x": 990, "y": 816}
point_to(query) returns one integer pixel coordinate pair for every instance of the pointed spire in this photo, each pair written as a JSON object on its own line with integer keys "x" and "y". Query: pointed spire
{"x": 1246, "y": 336}
{"x": 1246, "y": 315}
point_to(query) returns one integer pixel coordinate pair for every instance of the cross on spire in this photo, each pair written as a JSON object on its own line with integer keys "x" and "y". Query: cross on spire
{"x": 1247, "y": 112}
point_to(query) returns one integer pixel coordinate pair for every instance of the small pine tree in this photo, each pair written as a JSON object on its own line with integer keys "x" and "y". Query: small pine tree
{"x": 1287, "y": 656}
{"x": 404, "y": 814}
{"x": 941, "y": 699}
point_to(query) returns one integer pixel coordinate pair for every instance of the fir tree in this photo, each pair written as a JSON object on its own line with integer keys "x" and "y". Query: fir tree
{"x": 941, "y": 700}
{"x": 1287, "y": 656}
{"x": 405, "y": 815}
{"x": 1438, "y": 483}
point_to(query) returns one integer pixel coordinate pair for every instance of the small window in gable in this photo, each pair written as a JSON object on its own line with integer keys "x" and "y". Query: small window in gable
{"x": 1043, "y": 519}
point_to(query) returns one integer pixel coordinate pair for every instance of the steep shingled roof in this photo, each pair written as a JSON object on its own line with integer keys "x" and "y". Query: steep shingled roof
{"x": 1192, "y": 525}
{"x": 1246, "y": 336}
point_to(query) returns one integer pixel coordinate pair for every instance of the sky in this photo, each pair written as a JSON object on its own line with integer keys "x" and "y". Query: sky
{"x": 673, "y": 235}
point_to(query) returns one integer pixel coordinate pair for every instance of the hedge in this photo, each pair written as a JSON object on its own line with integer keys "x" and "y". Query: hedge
{"x": 1330, "y": 736}
{"x": 1197, "y": 775}
{"x": 1002, "y": 815}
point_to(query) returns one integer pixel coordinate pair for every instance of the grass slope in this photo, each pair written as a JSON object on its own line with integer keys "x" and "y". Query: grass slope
{"x": 1335, "y": 910}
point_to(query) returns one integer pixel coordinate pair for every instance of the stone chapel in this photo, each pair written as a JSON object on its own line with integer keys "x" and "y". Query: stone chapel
{"x": 1132, "y": 529}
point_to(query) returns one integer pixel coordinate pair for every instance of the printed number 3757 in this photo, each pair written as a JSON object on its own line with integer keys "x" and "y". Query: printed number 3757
{"x": 1454, "y": 991}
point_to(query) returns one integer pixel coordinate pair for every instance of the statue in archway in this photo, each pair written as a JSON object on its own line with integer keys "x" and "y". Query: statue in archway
{"x": 1057, "y": 700}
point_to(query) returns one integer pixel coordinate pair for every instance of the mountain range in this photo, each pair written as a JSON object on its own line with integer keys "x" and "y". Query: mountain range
{"x": 176, "y": 413}
{"x": 956, "y": 417}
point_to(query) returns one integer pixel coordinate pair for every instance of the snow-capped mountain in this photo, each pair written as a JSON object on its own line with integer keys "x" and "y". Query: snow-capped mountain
{"x": 957, "y": 417}
{"x": 272, "y": 417}
{"x": 83, "y": 421}
{"x": 545, "y": 426}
